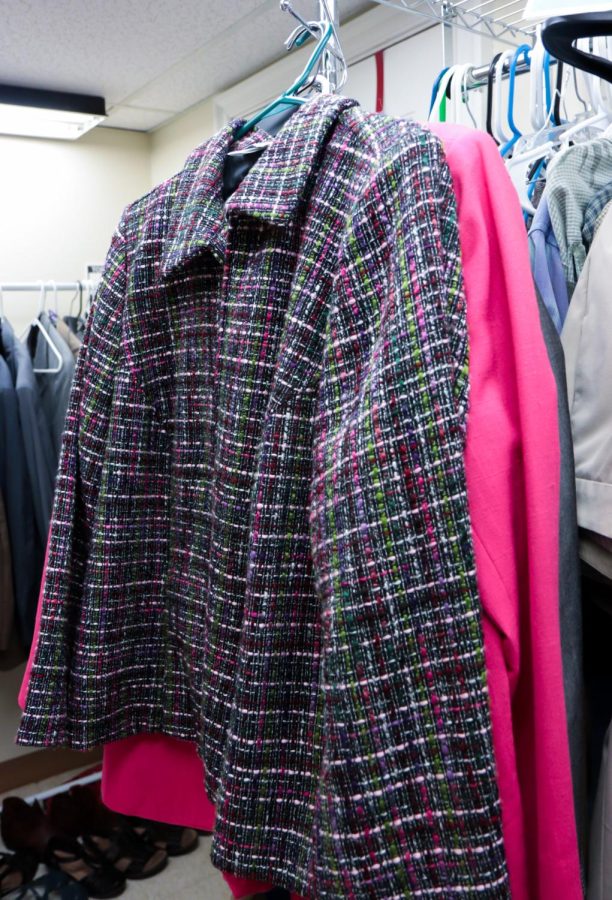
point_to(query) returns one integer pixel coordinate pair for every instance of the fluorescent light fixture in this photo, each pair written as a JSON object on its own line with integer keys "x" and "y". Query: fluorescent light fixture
{"x": 29, "y": 112}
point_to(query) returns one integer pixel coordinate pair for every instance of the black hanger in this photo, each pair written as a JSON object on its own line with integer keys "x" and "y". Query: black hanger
{"x": 558, "y": 89}
{"x": 559, "y": 34}
{"x": 490, "y": 80}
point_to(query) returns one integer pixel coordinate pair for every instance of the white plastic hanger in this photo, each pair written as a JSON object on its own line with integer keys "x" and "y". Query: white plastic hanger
{"x": 537, "y": 102}
{"x": 603, "y": 47}
{"x": 600, "y": 99}
{"x": 36, "y": 323}
{"x": 543, "y": 144}
{"x": 453, "y": 106}
{"x": 461, "y": 113}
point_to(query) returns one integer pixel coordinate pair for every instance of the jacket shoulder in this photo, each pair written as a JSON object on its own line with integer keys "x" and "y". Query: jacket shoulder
{"x": 388, "y": 147}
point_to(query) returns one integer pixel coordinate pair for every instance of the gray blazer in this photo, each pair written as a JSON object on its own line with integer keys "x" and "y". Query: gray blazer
{"x": 54, "y": 388}
{"x": 41, "y": 458}
{"x": 27, "y": 548}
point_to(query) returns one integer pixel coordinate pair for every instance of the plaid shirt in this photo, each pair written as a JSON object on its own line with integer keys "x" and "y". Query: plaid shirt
{"x": 595, "y": 214}
{"x": 261, "y": 537}
{"x": 573, "y": 179}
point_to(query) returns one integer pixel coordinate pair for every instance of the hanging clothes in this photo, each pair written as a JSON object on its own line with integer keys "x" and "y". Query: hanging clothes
{"x": 586, "y": 339}
{"x": 587, "y": 347}
{"x": 27, "y": 549}
{"x": 53, "y": 387}
{"x": 391, "y": 555}
{"x": 513, "y": 516}
{"x": 546, "y": 265}
{"x": 72, "y": 340}
{"x": 571, "y": 183}
{"x": 505, "y": 414}
{"x": 595, "y": 214}
{"x": 40, "y": 457}
{"x": 600, "y": 857}
{"x": 7, "y": 597}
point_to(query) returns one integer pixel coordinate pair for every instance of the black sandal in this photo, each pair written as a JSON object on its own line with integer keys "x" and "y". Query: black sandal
{"x": 52, "y": 886}
{"x": 128, "y": 852}
{"x": 176, "y": 840}
{"x": 105, "y": 834}
{"x": 99, "y": 878}
{"x": 16, "y": 869}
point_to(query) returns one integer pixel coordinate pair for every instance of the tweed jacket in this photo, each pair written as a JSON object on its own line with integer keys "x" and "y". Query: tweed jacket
{"x": 261, "y": 539}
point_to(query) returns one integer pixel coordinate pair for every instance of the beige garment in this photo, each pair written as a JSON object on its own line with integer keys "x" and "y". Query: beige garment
{"x": 7, "y": 599}
{"x": 587, "y": 344}
{"x": 69, "y": 336}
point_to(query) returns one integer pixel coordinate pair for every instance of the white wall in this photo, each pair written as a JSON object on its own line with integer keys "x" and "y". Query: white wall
{"x": 60, "y": 203}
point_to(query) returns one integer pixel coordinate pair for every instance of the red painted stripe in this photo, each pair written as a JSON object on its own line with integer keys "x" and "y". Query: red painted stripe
{"x": 379, "y": 56}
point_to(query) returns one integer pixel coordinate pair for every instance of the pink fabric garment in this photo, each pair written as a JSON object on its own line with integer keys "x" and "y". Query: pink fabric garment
{"x": 513, "y": 477}
{"x": 512, "y": 468}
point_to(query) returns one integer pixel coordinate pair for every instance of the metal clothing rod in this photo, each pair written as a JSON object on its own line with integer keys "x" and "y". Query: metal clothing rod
{"x": 61, "y": 788}
{"x": 51, "y": 286}
{"x": 477, "y": 76}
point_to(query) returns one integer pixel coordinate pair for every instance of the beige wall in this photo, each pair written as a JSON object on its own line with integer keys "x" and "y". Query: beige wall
{"x": 405, "y": 95}
{"x": 172, "y": 143}
{"x": 60, "y": 202}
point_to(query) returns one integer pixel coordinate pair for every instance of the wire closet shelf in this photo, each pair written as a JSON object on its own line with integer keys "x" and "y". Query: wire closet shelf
{"x": 498, "y": 19}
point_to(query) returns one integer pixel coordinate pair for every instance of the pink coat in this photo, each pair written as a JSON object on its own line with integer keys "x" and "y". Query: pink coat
{"x": 512, "y": 467}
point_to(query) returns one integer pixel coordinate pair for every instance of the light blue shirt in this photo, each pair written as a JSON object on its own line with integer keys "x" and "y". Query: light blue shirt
{"x": 546, "y": 265}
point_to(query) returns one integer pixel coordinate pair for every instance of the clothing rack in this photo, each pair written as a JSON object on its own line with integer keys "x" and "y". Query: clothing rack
{"x": 51, "y": 286}
{"x": 477, "y": 76}
{"x": 498, "y": 19}
{"x": 328, "y": 12}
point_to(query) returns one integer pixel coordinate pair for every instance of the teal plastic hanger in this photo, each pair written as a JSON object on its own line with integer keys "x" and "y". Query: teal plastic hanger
{"x": 289, "y": 98}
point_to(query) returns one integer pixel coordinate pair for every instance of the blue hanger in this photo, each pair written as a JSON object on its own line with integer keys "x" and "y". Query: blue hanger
{"x": 524, "y": 51}
{"x": 288, "y": 97}
{"x": 434, "y": 92}
{"x": 534, "y": 178}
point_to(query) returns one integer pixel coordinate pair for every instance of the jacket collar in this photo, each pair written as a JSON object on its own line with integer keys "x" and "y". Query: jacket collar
{"x": 271, "y": 191}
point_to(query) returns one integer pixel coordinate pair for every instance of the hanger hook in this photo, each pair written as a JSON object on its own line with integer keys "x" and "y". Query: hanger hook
{"x": 315, "y": 30}
{"x": 42, "y": 298}
{"x": 285, "y": 6}
{"x": 54, "y": 301}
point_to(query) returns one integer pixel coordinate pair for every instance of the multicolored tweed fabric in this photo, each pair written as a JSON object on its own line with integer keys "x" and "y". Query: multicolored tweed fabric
{"x": 261, "y": 538}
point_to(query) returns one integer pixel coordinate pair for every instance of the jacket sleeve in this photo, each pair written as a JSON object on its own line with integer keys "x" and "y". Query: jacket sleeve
{"x": 402, "y": 653}
{"x": 103, "y": 490}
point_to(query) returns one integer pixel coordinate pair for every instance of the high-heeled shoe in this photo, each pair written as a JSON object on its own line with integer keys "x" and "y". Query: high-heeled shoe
{"x": 52, "y": 886}
{"x": 81, "y": 814}
{"x": 176, "y": 840}
{"x": 25, "y": 827}
{"x": 16, "y": 869}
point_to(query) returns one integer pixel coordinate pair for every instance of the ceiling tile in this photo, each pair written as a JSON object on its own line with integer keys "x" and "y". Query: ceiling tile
{"x": 144, "y": 55}
{"x": 135, "y": 119}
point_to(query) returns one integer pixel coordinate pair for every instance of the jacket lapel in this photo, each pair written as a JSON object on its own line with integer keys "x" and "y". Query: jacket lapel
{"x": 272, "y": 190}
